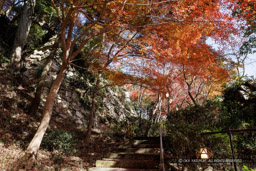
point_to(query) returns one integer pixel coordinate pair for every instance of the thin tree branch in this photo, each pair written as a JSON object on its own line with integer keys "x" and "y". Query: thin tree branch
{"x": 57, "y": 10}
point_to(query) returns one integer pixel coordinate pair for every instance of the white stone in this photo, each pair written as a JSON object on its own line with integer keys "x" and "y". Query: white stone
{"x": 11, "y": 94}
{"x": 245, "y": 88}
{"x": 78, "y": 114}
{"x": 79, "y": 122}
{"x": 244, "y": 94}
{"x": 69, "y": 113}
{"x": 4, "y": 65}
{"x": 65, "y": 105}
{"x": 58, "y": 96}
{"x": 54, "y": 77}
{"x": 38, "y": 52}
{"x": 210, "y": 168}
{"x": 33, "y": 56}
{"x": 25, "y": 133}
{"x": 127, "y": 98}
{"x": 44, "y": 99}
{"x": 70, "y": 74}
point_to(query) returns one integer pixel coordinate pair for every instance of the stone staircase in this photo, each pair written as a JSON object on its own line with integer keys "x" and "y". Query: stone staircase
{"x": 138, "y": 154}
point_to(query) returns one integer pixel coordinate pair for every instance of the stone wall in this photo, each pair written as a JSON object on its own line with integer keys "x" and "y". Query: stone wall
{"x": 68, "y": 104}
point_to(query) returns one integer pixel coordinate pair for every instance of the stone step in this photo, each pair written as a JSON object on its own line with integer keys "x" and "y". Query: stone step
{"x": 119, "y": 169}
{"x": 137, "y": 142}
{"x": 139, "y": 146}
{"x": 146, "y": 146}
{"x": 140, "y": 154}
{"x": 141, "y": 164}
{"x": 131, "y": 160}
{"x": 149, "y": 156}
{"x": 139, "y": 150}
{"x": 146, "y": 138}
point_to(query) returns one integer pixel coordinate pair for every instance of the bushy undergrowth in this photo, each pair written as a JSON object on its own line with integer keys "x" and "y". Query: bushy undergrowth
{"x": 184, "y": 127}
{"x": 4, "y": 59}
{"x": 138, "y": 127}
{"x": 60, "y": 140}
{"x": 240, "y": 113}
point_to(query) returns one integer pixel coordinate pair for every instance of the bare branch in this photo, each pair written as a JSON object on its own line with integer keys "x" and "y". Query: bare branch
{"x": 148, "y": 4}
{"x": 57, "y": 10}
{"x": 89, "y": 27}
{"x": 78, "y": 66}
{"x": 83, "y": 43}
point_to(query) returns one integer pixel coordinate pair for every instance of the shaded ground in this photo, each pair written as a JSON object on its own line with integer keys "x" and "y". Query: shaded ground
{"x": 17, "y": 129}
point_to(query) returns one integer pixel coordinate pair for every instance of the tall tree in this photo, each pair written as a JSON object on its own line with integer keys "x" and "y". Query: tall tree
{"x": 80, "y": 21}
{"x": 69, "y": 14}
{"x": 103, "y": 63}
{"x": 245, "y": 11}
{"x": 169, "y": 30}
{"x": 45, "y": 28}
{"x": 2, "y": 4}
{"x": 177, "y": 38}
{"x": 22, "y": 32}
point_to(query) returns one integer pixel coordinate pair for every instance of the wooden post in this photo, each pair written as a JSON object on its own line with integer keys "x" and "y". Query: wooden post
{"x": 229, "y": 132}
{"x": 168, "y": 110}
{"x": 162, "y": 167}
{"x": 232, "y": 148}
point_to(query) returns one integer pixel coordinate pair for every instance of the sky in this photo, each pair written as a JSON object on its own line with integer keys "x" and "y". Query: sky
{"x": 250, "y": 62}
{"x": 250, "y": 67}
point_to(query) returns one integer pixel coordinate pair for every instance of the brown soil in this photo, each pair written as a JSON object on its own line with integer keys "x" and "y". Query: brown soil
{"x": 17, "y": 129}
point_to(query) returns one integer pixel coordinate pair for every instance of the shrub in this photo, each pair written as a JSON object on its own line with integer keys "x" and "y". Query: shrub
{"x": 4, "y": 59}
{"x": 59, "y": 140}
{"x": 245, "y": 168}
{"x": 184, "y": 128}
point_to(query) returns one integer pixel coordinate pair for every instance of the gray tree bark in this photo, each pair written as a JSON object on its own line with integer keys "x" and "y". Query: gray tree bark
{"x": 91, "y": 120}
{"x": 152, "y": 112}
{"x": 2, "y": 5}
{"x": 23, "y": 29}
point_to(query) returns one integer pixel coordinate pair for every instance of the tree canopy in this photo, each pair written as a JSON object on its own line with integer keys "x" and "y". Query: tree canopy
{"x": 153, "y": 48}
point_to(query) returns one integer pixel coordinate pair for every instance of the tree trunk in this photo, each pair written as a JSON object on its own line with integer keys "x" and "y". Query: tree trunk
{"x": 190, "y": 95}
{"x": 1, "y": 5}
{"x": 160, "y": 109}
{"x": 140, "y": 106}
{"x": 37, "y": 99}
{"x": 91, "y": 119}
{"x": 47, "y": 113}
{"x": 151, "y": 114}
{"x": 22, "y": 33}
